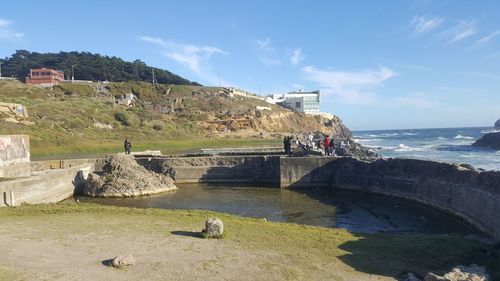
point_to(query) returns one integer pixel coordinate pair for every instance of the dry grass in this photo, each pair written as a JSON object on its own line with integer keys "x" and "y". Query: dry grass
{"x": 297, "y": 252}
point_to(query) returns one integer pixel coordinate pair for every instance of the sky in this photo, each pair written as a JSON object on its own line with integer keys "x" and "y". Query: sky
{"x": 378, "y": 64}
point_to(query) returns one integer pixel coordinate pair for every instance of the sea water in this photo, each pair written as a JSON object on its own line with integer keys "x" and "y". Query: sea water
{"x": 451, "y": 145}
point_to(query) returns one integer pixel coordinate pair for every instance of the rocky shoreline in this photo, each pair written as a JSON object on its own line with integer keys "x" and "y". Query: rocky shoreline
{"x": 491, "y": 140}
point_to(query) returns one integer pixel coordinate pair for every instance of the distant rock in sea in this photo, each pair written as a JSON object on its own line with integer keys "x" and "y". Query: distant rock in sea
{"x": 497, "y": 124}
{"x": 491, "y": 140}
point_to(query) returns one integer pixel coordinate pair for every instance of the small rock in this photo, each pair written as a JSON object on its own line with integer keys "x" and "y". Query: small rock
{"x": 411, "y": 277}
{"x": 434, "y": 277}
{"x": 123, "y": 260}
{"x": 467, "y": 273}
{"x": 461, "y": 273}
{"x": 214, "y": 228}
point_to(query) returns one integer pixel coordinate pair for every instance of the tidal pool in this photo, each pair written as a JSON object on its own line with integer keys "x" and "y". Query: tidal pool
{"x": 353, "y": 210}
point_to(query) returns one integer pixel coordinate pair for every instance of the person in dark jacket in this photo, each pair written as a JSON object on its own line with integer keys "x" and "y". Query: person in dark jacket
{"x": 128, "y": 146}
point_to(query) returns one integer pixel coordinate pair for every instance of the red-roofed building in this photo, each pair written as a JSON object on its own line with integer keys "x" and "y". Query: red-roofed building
{"x": 44, "y": 76}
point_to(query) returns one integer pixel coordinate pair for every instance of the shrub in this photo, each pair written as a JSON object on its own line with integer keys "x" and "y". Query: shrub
{"x": 122, "y": 118}
{"x": 157, "y": 127}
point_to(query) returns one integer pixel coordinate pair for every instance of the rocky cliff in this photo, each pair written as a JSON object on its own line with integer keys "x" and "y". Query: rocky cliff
{"x": 491, "y": 140}
{"x": 497, "y": 124}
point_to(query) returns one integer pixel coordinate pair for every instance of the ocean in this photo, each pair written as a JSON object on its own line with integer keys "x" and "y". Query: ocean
{"x": 451, "y": 145}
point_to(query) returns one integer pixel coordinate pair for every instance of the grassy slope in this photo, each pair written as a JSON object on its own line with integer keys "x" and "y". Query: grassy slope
{"x": 63, "y": 118}
{"x": 308, "y": 249}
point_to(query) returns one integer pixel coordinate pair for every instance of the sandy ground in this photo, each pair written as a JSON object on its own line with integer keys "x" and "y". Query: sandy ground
{"x": 69, "y": 247}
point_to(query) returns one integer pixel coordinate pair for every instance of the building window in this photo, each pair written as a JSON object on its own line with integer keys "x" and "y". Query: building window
{"x": 297, "y": 104}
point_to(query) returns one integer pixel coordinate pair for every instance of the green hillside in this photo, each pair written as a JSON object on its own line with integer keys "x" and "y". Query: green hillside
{"x": 88, "y": 66}
{"x": 87, "y": 118}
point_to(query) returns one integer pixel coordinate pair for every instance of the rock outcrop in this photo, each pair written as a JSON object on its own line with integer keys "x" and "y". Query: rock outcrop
{"x": 458, "y": 273}
{"x": 491, "y": 140}
{"x": 497, "y": 124}
{"x": 123, "y": 177}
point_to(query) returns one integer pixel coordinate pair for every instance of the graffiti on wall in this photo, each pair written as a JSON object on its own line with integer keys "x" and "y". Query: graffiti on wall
{"x": 14, "y": 149}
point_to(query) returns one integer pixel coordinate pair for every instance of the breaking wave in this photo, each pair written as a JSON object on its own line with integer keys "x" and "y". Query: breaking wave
{"x": 462, "y": 137}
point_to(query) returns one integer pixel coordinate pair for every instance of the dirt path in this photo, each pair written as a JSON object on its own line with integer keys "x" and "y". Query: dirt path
{"x": 73, "y": 246}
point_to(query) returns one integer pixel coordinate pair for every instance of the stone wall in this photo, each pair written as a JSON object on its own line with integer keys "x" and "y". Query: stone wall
{"x": 14, "y": 156}
{"x": 249, "y": 169}
{"x": 458, "y": 190}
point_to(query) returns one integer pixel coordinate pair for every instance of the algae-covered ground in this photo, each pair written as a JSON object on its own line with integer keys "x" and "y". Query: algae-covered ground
{"x": 71, "y": 241}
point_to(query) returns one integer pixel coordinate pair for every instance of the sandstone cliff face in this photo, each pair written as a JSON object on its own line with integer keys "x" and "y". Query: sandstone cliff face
{"x": 123, "y": 177}
{"x": 491, "y": 140}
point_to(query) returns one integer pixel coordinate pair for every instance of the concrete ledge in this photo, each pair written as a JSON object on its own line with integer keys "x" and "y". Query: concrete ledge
{"x": 240, "y": 169}
{"x": 46, "y": 187}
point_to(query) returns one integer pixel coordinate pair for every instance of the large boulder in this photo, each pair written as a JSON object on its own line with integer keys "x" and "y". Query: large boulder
{"x": 123, "y": 177}
{"x": 491, "y": 140}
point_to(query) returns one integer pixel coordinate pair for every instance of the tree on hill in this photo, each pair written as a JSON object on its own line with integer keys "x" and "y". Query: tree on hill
{"x": 88, "y": 66}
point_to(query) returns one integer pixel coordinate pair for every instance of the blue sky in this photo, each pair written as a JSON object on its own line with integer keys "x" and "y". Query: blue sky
{"x": 379, "y": 64}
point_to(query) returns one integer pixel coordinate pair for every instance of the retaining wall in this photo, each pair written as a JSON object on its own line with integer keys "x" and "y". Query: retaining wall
{"x": 472, "y": 195}
{"x": 44, "y": 187}
{"x": 245, "y": 169}
{"x": 14, "y": 156}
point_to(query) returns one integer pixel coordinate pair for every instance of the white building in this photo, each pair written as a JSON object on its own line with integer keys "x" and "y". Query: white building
{"x": 305, "y": 102}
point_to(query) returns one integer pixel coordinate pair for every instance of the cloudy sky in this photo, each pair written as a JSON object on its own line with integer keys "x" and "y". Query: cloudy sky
{"x": 378, "y": 64}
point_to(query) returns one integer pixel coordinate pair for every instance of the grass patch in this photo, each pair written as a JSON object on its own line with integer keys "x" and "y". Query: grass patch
{"x": 168, "y": 147}
{"x": 306, "y": 248}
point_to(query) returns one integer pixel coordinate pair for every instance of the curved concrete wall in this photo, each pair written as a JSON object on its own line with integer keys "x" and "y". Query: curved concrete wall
{"x": 458, "y": 190}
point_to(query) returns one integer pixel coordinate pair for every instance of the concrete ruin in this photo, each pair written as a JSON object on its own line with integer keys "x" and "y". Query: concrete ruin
{"x": 14, "y": 156}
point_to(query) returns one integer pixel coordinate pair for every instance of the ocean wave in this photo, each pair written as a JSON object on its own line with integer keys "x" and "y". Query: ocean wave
{"x": 442, "y": 138}
{"x": 410, "y": 134}
{"x": 403, "y": 148}
{"x": 366, "y": 140}
{"x": 462, "y": 137}
{"x": 490, "y": 131}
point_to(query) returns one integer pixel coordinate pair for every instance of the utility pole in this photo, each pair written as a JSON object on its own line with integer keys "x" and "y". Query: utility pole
{"x": 153, "y": 70}
{"x": 73, "y": 73}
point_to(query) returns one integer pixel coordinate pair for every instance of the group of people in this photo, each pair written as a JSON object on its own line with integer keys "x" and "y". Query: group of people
{"x": 326, "y": 143}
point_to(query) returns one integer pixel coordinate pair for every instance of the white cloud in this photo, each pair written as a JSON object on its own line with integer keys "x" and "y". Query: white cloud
{"x": 6, "y": 31}
{"x": 462, "y": 30}
{"x": 423, "y": 24}
{"x": 482, "y": 75}
{"x": 417, "y": 100}
{"x": 267, "y": 52}
{"x": 296, "y": 56}
{"x": 486, "y": 39}
{"x": 194, "y": 57}
{"x": 352, "y": 87}
{"x": 265, "y": 45}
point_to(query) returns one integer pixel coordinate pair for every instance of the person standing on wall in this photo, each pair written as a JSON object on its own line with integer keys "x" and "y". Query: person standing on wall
{"x": 128, "y": 146}
{"x": 326, "y": 145}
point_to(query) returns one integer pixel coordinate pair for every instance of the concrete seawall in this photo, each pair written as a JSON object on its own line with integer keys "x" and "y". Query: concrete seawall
{"x": 44, "y": 187}
{"x": 244, "y": 169}
{"x": 472, "y": 195}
